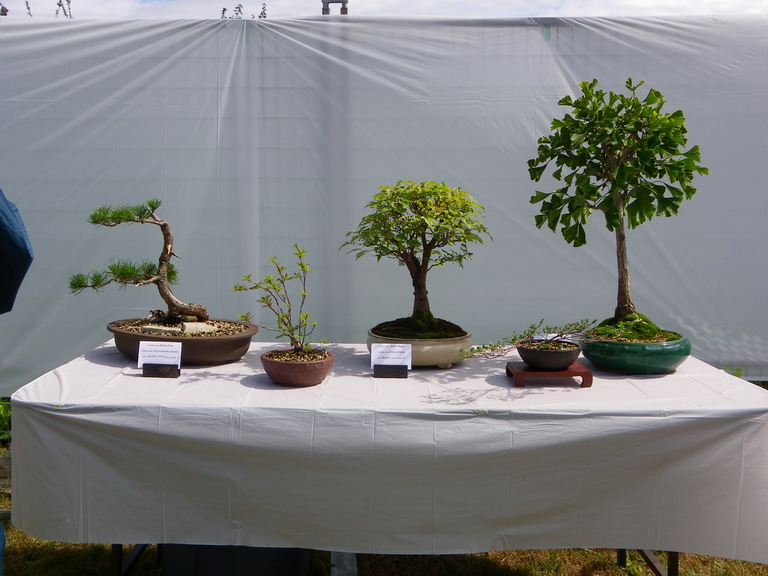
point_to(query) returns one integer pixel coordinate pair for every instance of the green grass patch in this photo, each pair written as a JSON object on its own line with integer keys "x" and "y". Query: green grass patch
{"x": 27, "y": 556}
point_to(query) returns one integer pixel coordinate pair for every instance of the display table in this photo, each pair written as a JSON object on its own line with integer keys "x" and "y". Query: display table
{"x": 445, "y": 461}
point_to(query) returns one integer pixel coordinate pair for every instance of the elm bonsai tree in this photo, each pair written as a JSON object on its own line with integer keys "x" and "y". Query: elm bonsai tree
{"x": 621, "y": 155}
{"x": 125, "y": 272}
{"x": 422, "y": 225}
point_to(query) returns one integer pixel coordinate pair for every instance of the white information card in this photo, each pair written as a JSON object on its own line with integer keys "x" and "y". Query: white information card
{"x": 168, "y": 353}
{"x": 391, "y": 355}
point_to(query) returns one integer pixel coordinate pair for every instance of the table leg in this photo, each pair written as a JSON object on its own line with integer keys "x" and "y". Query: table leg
{"x": 343, "y": 564}
{"x": 121, "y": 568}
{"x": 652, "y": 561}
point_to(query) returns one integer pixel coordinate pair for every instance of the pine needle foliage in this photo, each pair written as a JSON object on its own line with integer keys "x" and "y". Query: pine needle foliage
{"x": 138, "y": 273}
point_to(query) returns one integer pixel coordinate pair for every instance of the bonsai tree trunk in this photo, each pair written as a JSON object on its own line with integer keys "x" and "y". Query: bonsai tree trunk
{"x": 175, "y": 306}
{"x": 418, "y": 271}
{"x": 420, "y": 298}
{"x": 624, "y": 305}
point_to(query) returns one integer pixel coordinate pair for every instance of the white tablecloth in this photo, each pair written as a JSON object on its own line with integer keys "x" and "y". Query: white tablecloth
{"x": 445, "y": 461}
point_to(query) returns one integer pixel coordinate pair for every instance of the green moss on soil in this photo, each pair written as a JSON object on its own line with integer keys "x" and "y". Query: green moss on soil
{"x": 416, "y": 329}
{"x": 632, "y": 328}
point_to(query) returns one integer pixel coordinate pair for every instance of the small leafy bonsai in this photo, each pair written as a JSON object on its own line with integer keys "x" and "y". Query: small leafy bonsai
{"x": 422, "y": 225}
{"x": 125, "y": 272}
{"x": 291, "y": 319}
{"x": 536, "y": 336}
{"x": 621, "y": 155}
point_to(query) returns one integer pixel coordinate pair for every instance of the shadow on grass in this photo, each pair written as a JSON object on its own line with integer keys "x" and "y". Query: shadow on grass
{"x": 446, "y": 565}
{"x": 25, "y": 556}
{"x": 500, "y": 563}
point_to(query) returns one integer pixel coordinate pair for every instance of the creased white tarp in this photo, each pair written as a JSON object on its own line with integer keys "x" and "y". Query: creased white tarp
{"x": 445, "y": 461}
{"x": 258, "y": 134}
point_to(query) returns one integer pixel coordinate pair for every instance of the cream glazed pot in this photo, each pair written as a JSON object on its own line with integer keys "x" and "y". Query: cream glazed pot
{"x": 440, "y": 352}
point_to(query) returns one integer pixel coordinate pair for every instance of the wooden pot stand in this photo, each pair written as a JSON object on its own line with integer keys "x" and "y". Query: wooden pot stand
{"x": 519, "y": 371}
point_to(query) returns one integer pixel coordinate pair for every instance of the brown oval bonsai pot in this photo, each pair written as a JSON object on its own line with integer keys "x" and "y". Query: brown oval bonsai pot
{"x": 297, "y": 374}
{"x": 195, "y": 350}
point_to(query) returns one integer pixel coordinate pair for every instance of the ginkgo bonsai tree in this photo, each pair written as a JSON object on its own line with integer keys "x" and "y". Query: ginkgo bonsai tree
{"x": 422, "y": 225}
{"x": 126, "y": 272}
{"x": 619, "y": 154}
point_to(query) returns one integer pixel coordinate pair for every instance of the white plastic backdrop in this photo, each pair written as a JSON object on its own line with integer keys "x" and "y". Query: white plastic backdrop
{"x": 259, "y": 134}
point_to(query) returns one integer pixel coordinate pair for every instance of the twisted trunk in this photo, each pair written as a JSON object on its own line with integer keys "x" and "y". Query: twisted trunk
{"x": 175, "y": 306}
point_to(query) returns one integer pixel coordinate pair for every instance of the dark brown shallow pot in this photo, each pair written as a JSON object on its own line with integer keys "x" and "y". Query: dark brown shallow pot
{"x": 200, "y": 350}
{"x": 549, "y": 360}
{"x": 297, "y": 374}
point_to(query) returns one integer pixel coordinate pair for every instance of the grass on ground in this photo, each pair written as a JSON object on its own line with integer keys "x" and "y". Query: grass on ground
{"x": 25, "y": 556}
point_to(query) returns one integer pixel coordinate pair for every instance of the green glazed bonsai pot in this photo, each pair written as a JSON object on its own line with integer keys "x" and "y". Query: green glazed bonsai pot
{"x": 636, "y": 357}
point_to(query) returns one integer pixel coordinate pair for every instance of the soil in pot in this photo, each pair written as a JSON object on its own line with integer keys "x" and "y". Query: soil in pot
{"x": 225, "y": 341}
{"x": 550, "y": 356}
{"x": 412, "y": 328}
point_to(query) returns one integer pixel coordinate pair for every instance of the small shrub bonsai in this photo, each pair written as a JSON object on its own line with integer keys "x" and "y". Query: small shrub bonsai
{"x": 538, "y": 336}
{"x": 125, "y": 272}
{"x": 621, "y": 155}
{"x": 292, "y": 321}
{"x": 422, "y": 225}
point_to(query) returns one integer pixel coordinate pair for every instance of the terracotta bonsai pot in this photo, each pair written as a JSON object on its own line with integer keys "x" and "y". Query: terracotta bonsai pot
{"x": 637, "y": 357}
{"x": 200, "y": 350}
{"x": 297, "y": 374}
{"x": 440, "y": 352}
{"x": 551, "y": 360}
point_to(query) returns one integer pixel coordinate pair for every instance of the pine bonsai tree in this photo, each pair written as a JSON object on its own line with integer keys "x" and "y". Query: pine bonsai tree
{"x": 125, "y": 272}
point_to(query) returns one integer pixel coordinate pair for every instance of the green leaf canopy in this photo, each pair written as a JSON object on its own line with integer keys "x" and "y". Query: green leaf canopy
{"x": 616, "y": 153}
{"x": 421, "y": 224}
